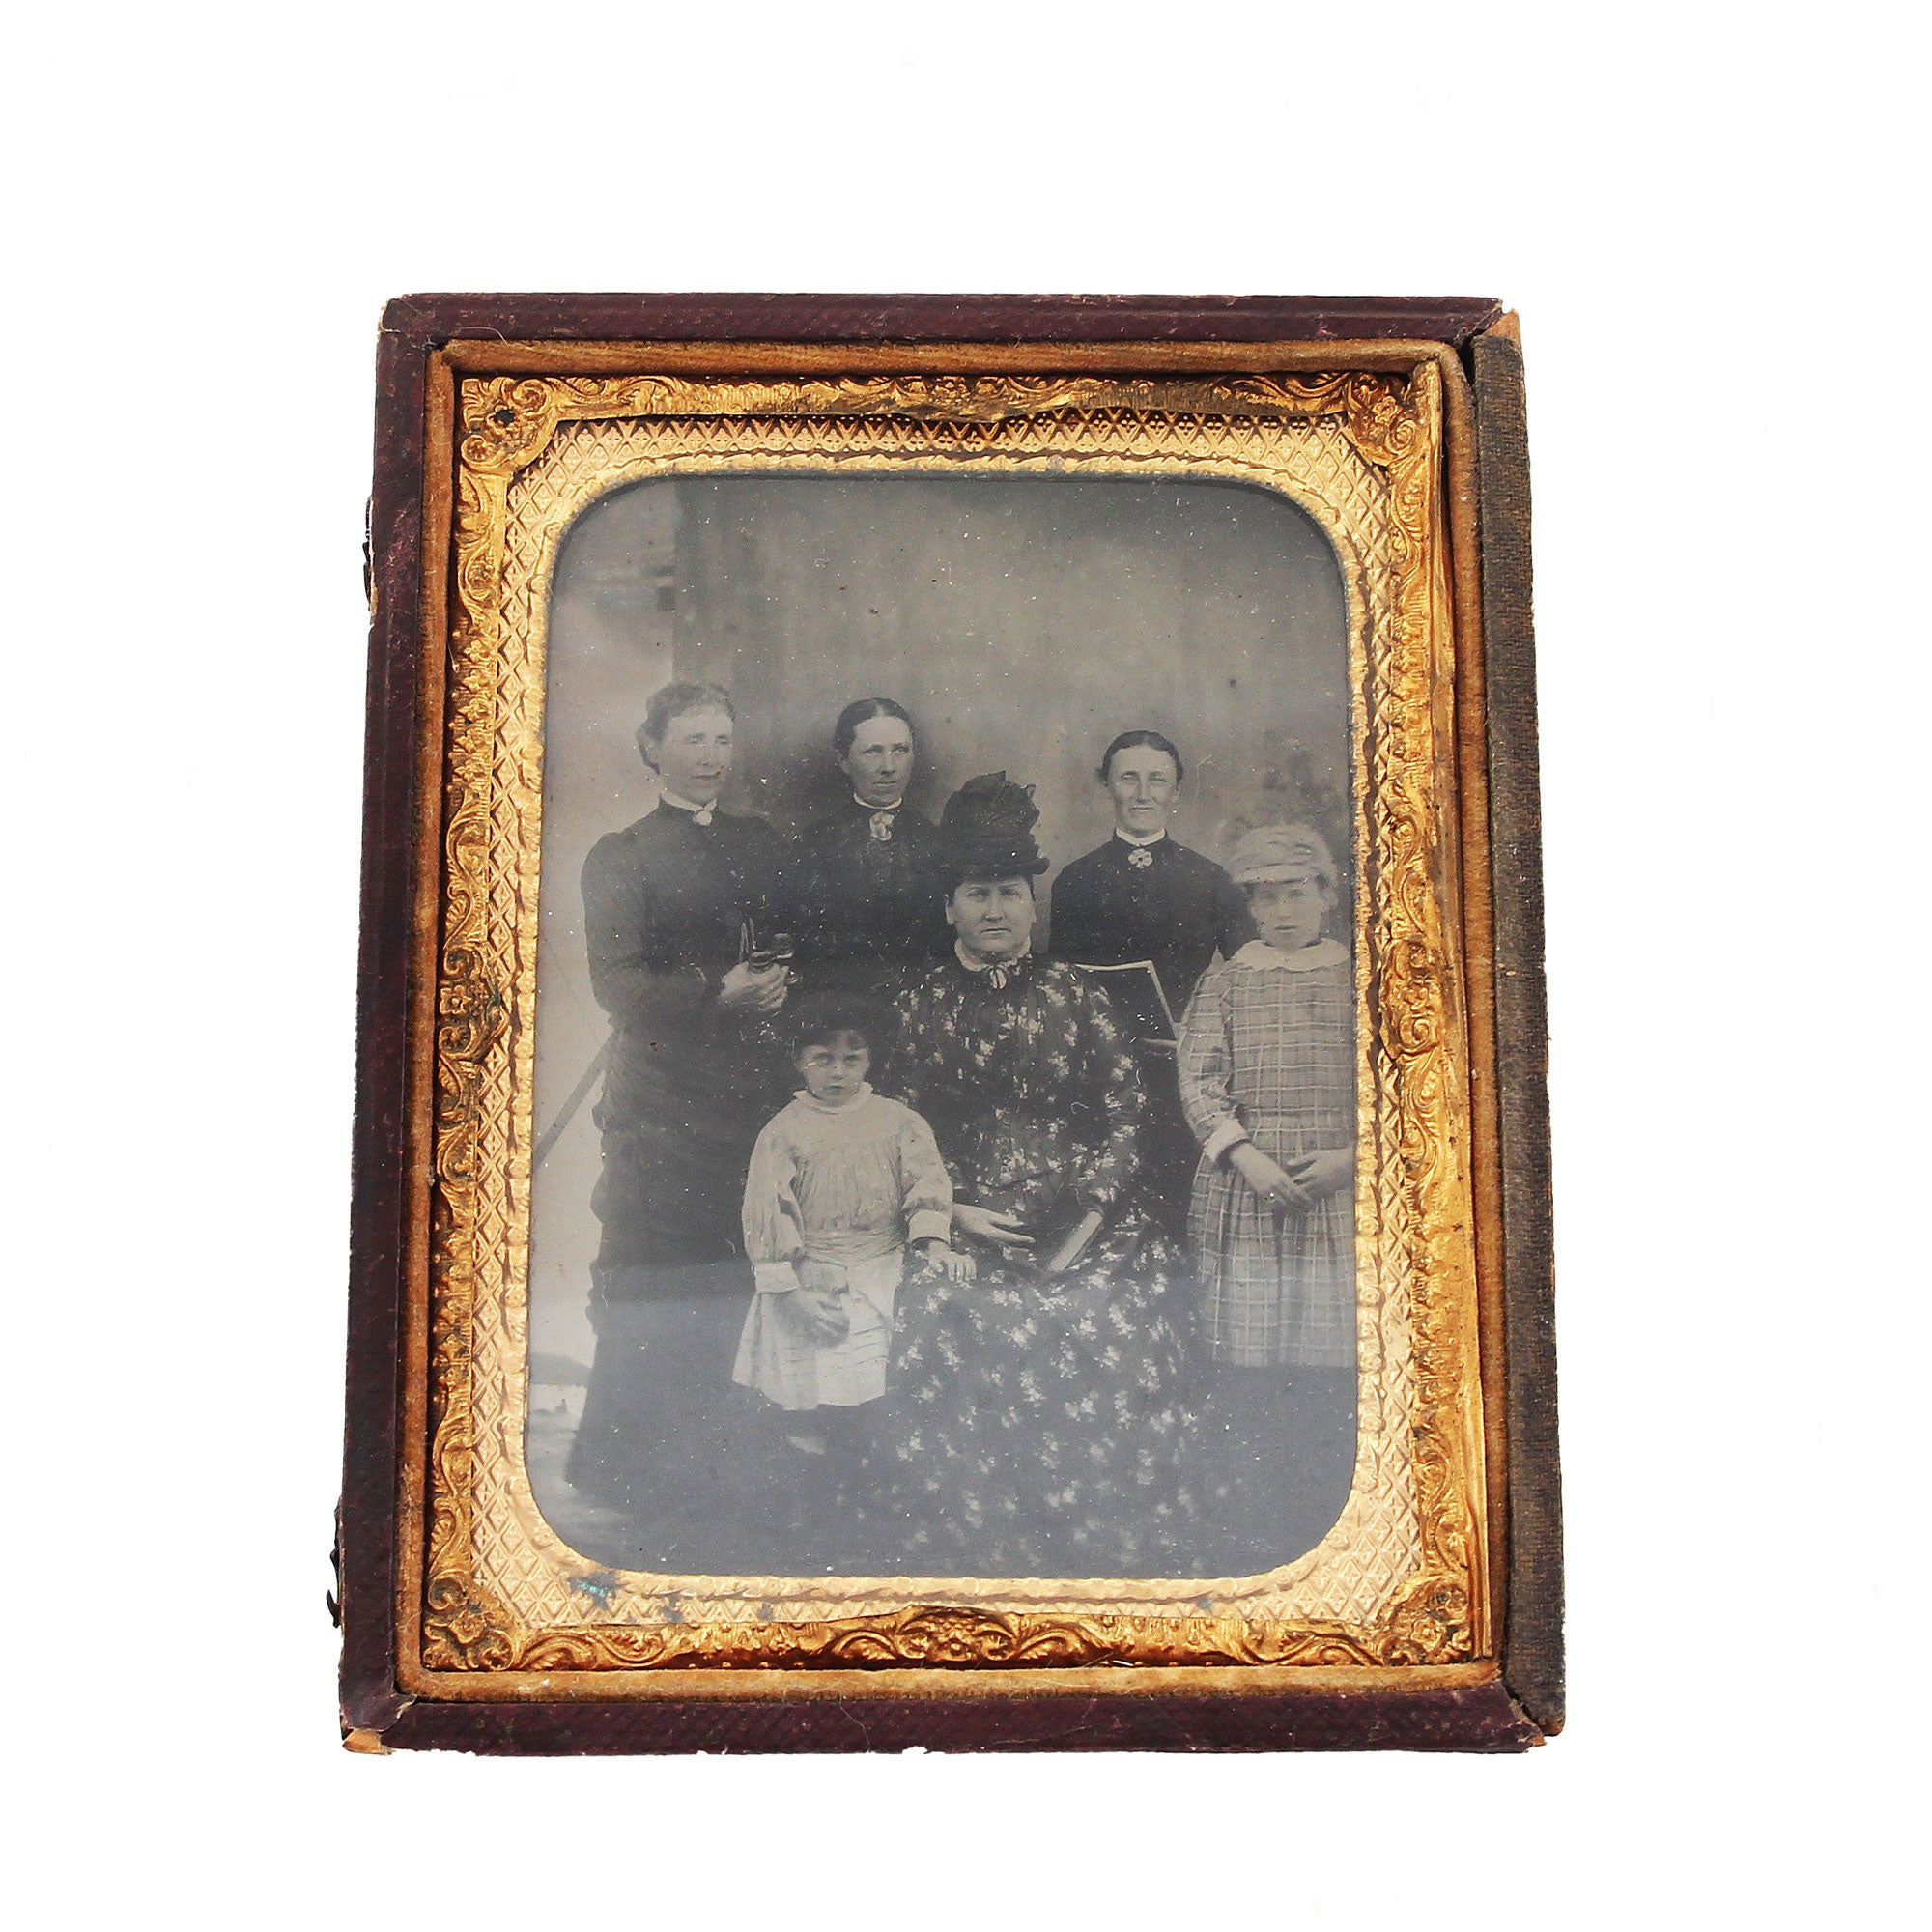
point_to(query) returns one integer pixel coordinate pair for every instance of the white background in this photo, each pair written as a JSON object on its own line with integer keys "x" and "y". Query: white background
{"x": 1702, "y": 213}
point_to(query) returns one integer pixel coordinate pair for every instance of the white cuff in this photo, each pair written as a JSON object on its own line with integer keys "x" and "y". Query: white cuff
{"x": 929, "y": 1224}
{"x": 774, "y": 1277}
{"x": 1229, "y": 1134}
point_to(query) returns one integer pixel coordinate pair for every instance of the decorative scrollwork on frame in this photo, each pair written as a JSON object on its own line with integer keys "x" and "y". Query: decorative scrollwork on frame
{"x": 938, "y": 1637}
{"x": 1399, "y": 1579}
{"x": 1417, "y": 1007}
{"x": 507, "y": 420}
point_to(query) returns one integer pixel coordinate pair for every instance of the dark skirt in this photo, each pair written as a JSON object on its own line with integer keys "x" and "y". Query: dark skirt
{"x": 1169, "y": 1152}
{"x": 1034, "y": 1424}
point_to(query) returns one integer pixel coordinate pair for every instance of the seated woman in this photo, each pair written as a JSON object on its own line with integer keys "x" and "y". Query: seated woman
{"x": 1144, "y": 896}
{"x": 1034, "y": 1424}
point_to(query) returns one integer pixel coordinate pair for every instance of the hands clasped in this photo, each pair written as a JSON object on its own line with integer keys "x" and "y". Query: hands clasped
{"x": 1302, "y": 1181}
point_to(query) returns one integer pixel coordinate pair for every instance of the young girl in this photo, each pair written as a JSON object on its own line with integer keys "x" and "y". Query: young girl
{"x": 841, "y": 1182}
{"x": 1268, "y": 1082}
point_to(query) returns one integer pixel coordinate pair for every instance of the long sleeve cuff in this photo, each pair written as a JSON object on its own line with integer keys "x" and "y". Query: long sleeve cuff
{"x": 774, "y": 1277}
{"x": 929, "y": 1224}
{"x": 1229, "y": 1134}
{"x": 650, "y": 999}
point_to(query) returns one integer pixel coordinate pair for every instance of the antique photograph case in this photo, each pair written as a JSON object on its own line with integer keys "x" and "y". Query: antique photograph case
{"x": 950, "y": 1113}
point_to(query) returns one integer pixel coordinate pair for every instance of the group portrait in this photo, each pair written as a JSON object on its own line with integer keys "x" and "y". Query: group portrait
{"x": 947, "y": 1031}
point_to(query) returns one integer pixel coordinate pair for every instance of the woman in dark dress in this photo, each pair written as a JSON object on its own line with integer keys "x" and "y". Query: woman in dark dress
{"x": 864, "y": 900}
{"x": 1142, "y": 896}
{"x": 693, "y": 1070}
{"x": 1033, "y": 1421}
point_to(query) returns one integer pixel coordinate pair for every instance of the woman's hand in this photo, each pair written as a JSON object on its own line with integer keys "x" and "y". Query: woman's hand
{"x": 1325, "y": 1171}
{"x": 983, "y": 1225}
{"x": 1273, "y": 1183}
{"x": 759, "y": 989}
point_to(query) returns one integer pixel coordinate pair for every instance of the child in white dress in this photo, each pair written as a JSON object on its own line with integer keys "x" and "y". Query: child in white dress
{"x": 841, "y": 1182}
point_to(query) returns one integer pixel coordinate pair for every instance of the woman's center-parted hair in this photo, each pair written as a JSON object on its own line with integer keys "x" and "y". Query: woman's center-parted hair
{"x": 861, "y": 711}
{"x": 670, "y": 703}
{"x": 1127, "y": 741}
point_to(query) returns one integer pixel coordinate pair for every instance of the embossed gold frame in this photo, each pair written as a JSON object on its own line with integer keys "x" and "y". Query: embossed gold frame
{"x": 1375, "y": 439}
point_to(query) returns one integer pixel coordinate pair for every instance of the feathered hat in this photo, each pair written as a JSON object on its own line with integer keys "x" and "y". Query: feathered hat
{"x": 986, "y": 831}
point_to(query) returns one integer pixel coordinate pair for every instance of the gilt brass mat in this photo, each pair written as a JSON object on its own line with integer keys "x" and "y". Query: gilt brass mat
{"x": 1399, "y": 1578}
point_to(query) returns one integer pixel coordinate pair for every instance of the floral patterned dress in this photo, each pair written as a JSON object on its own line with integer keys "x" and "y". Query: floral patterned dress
{"x": 1034, "y": 1423}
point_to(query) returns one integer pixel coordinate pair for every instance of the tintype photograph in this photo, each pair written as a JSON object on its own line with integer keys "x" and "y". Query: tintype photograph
{"x": 944, "y": 1038}
{"x": 946, "y": 1053}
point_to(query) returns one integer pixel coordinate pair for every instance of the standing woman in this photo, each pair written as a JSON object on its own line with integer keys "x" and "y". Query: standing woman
{"x": 1142, "y": 896}
{"x": 1033, "y": 1419}
{"x": 695, "y": 1064}
{"x": 864, "y": 903}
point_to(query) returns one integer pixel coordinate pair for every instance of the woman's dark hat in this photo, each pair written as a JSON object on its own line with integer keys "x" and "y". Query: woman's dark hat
{"x": 986, "y": 830}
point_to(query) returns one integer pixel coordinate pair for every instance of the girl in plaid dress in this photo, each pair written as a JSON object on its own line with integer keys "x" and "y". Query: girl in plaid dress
{"x": 1267, "y": 1083}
